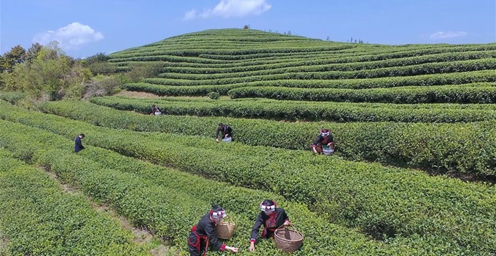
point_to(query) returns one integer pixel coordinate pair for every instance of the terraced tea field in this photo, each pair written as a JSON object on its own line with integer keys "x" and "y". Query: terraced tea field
{"x": 413, "y": 172}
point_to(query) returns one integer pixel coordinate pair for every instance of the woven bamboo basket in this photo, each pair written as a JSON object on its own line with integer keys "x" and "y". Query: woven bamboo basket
{"x": 225, "y": 229}
{"x": 288, "y": 239}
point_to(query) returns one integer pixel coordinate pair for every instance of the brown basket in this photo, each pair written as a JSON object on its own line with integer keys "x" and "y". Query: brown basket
{"x": 225, "y": 229}
{"x": 288, "y": 239}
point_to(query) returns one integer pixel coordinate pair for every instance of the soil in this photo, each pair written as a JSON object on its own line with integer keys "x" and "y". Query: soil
{"x": 136, "y": 94}
{"x": 141, "y": 235}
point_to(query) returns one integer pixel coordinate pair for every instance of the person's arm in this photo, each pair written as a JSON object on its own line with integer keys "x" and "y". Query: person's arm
{"x": 229, "y": 131}
{"x": 255, "y": 231}
{"x": 331, "y": 141}
{"x": 217, "y": 134}
{"x": 315, "y": 142}
{"x": 286, "y": 218}
{"x": 214, "y": 240}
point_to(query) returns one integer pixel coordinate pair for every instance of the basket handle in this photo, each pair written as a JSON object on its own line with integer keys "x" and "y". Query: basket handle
{"x": 228, "y": 220}
{"x": 290, "y": 227}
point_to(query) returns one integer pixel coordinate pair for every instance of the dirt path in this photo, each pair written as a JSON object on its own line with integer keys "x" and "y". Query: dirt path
{"x": 137, "y": 94}
{"x": 141, "y": 235}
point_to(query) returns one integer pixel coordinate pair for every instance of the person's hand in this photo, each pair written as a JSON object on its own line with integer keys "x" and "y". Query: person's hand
{"x": 315, "y": 150}
{"x": 227, "y": 135}
{"x": 232, "y": 249}
{"x": 217, "y": 140}
{"x": 252, "y": 247}
{"x": 286, "y": 223}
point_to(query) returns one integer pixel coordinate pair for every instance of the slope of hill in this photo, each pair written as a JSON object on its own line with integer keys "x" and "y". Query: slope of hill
{"x": 391, "y": 108}
{"x": 242, "y": 63}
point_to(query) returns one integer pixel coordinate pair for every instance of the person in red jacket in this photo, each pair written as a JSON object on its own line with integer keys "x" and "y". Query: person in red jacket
{"x": 324, "y": 138}
{"x": 271, "y": 217}
{"x": 203, "y": 235}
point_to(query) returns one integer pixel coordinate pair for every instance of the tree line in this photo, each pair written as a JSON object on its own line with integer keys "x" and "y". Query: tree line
{"x": 45, "y": 72}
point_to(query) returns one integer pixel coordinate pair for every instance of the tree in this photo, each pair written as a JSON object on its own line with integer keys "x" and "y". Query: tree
{"x": 15, "y": 56}
{"x": 32, "y": 52}
{"x": 49, "y": 74}
{"x": 2, "y": 64}
{"x": 99, "y": 57}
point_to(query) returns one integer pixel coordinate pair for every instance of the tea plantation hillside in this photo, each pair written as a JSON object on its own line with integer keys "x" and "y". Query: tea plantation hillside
{"x": 392, "y": 104}
{"x": 413, "y": 172}
{"x": 250, "y": 63}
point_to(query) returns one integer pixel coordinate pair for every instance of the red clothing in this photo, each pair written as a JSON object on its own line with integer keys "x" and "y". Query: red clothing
{"x": 320, "y": 140}
{"x": 202, "y": 235}
{"x": 270, "y": 222}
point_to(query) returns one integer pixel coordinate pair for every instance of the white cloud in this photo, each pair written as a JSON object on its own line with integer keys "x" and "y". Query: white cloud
{"x": 231, "y": 8}
{"x": 441, "y": 34}
{"x": 70, "y": 37}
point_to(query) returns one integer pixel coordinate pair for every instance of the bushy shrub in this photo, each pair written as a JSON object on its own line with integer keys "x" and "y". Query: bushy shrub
{"x": 213, "y": 95}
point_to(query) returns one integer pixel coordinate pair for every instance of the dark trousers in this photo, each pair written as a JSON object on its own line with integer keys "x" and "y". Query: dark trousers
{"x": 196, "y": 245}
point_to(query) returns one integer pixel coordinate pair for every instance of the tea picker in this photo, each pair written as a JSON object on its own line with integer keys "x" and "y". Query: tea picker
{"x": 226, "y": 131}
{"x": 203, "y": 234}
{"x": 270, "y": 217}
{"x": 324, "y": 143}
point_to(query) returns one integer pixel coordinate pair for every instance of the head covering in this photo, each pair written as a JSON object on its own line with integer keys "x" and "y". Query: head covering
{"x": 325, "y": 132}
{"x": 268, "y": 206}
{"x": 217, "y": 213}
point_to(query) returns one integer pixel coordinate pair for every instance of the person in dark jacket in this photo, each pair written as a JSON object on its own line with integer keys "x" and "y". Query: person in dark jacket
{"x": 155, "y": 110}
{"x": 225, "y": 130}
{"x": 324, "y": 138}
{"x": 78, "y": 146}
{"x": 271, "y": 217}
{"x": 203, "y": 234}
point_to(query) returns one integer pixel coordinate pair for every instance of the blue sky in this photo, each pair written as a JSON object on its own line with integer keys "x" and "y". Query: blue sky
{"x": 87, "y": 27}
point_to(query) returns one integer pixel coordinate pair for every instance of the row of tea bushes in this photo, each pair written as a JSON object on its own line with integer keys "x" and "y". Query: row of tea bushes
{"x": 457, "y": 148}
{"x": 383, "y": 202}
{"x": 320, "y": 79}
{"x": 461, "y": 94}
{"x": 307, "y": 111}
{"x": 383, "y": 82}
{"x": 38, "y": 218}
{"x": 201, "y": 90}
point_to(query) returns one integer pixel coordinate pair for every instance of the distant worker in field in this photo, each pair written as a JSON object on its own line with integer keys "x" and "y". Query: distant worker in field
{"x": 226, "y": 131}
{"x": 155, "y": 110}
{"x": 271, "y": 217}
{"x": 78, "y": 145}
{"x": 323, "y": 139}
{"x": 203, "y": 234}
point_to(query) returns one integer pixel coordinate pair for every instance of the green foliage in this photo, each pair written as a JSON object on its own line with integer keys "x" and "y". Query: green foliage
{"x": 99, "y": 57}
{"x": 311, "y": 111}
{"x": 140, "y": 71}
{"x": 98, "y": 64}
{"x": 32, "y": 52}
{"x": 39, "y": 219}
{"x": 168, "y": 202}
{"x": 103, "y": 85}
{"x": 463, "y": 94}
{"x": 16, "y": 55}
{"x": 49, "y": 74}
{"x": 405, "y": 208}
{"x": 407, "y": 212}
{"x": 213, "y": 95}
{"x": 456, "y": 148}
